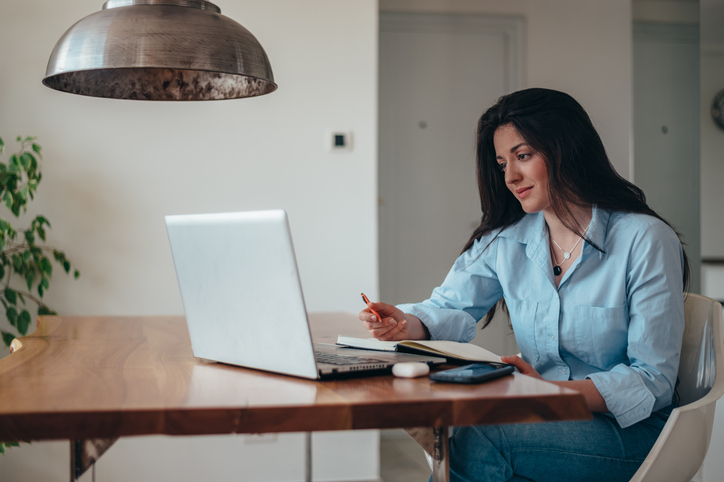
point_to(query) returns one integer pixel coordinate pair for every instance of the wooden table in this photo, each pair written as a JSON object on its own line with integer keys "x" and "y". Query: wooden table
{"x": 91, "y": 378}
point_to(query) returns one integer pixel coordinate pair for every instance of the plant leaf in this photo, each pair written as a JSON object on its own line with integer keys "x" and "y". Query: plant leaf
{"x": 24, "y": 322}
{"x": 44, "y": 310}
{"x": 25, "y": 159}
{"x": 12, "y": 315}
{"x": 11, "y": 296}
{"x": 18, "y": 263}
{"x": 43, "y": 286}
{"x": 7, "y": 337}
{"x": 14, "y": 163}
{"x": 46, "y": 267}
{"x": 8, "y": 198}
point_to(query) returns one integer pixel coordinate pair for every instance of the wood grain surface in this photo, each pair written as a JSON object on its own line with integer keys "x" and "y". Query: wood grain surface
{"x": 106, "y": 377}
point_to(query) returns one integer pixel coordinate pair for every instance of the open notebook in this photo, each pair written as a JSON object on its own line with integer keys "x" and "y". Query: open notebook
{"x": 449, "y": 349}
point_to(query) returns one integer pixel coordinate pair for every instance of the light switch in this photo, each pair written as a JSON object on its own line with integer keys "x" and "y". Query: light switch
{"x": 340, "y": 141}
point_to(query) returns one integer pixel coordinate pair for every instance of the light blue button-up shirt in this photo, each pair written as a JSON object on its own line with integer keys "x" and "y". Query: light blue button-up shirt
{"x": 617, "y": 316}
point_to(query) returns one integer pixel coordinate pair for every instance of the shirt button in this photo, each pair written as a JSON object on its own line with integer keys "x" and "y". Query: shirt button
{"x": 564, "y": 370}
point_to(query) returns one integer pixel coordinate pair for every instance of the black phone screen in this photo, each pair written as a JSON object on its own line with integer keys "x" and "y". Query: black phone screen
{"x": 474, "y": 370}
{"x": 475, "y": 373}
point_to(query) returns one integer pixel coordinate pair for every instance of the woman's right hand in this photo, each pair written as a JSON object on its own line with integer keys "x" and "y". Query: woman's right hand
{"x": 394, "y": 325}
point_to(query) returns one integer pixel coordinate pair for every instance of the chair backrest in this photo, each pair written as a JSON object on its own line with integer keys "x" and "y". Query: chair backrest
{"x": 697, "y": 367}
{"x": 682, "y": 445}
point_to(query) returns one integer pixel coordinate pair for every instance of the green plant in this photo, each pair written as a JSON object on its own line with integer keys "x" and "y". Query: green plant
{"x": 3, "y": 445}
{"x": 23, "y": 254}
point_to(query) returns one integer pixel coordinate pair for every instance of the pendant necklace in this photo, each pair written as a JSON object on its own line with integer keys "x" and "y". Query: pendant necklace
{"x": 566, "y": 255}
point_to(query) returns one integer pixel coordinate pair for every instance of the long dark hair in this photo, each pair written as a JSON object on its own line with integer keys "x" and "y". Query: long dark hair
{"x": 579, "y": 171}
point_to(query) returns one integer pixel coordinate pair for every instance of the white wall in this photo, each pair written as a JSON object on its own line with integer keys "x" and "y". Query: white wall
{"x": 113, "y": 169}
{"x": 582, "y": 47}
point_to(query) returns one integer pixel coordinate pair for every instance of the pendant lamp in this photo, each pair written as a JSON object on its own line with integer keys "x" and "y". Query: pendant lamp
{"x": 159, "y": 50}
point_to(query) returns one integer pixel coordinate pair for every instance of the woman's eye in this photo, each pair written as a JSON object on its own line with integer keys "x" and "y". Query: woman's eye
{"x": 522, "y": 157}
{"x": 502, "y": 166}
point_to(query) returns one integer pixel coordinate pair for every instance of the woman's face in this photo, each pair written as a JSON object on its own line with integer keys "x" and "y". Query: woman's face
{"x": 526, "y": 173}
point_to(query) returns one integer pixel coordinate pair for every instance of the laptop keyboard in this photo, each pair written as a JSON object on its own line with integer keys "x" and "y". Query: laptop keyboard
{"x": 337, "y": 359}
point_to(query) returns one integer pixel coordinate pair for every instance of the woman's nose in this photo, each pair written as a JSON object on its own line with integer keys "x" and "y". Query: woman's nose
{"x": 511, "y": 173}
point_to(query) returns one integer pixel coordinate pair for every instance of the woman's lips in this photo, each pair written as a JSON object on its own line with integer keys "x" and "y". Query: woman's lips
{"x": 523, "y": 192}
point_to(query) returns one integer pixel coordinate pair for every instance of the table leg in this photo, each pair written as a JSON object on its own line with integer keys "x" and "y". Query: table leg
{"x": 441, "y": 455}
{"x": 85, "y": 453}
{"x": 308, "y": 458}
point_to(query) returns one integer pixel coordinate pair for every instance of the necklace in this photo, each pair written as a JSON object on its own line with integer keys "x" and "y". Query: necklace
{"x": 566, "y": 255}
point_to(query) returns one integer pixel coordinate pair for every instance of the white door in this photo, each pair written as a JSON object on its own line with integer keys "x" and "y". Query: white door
{"x": 666, "y": 129}
{"x": 438, "y": 73}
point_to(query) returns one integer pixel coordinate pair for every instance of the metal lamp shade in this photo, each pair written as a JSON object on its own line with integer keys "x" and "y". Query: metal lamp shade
{"x": 159, "y": 50}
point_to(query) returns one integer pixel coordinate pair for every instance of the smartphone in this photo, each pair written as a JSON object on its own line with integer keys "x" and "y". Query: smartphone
{"x": 475, "y": 373}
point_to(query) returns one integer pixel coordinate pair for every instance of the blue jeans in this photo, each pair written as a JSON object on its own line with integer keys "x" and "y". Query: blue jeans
{"x": 595, "y": 450}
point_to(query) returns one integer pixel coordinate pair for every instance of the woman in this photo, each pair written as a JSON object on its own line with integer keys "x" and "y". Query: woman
{"x": 593, "y": 280}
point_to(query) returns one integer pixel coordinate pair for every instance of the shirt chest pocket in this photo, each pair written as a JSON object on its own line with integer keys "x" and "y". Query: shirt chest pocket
{"x": 523, "y": 318}
{"x": 599, "y": 335}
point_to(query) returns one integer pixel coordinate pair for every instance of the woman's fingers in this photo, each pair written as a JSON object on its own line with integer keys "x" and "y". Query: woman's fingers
{"x": 391, "y": 325}
{"x": 396, "y": 332}
{"x": 521, "y": 365}
{"x": 386, "y": 310}
{"x": 390, "y": 314}
{"x": 368, "y": 315}
{"x": 370, "y": 320}
{"x": 380, "y": 327}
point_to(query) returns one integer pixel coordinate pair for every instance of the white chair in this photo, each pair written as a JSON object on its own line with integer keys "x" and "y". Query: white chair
{"x": 680, "y": 449}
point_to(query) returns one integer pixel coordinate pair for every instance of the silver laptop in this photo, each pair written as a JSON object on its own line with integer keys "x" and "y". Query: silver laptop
{"x": 243, "y": 299}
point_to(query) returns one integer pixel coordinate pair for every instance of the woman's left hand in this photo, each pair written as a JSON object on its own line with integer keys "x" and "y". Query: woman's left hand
{"x": 593, "y": 397}
{"x": 521, "y": 365}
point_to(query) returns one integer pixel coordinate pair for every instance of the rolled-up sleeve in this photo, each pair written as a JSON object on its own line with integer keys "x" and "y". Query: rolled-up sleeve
{"x": 656, "y": 325}
{"x": 469, "y": 290}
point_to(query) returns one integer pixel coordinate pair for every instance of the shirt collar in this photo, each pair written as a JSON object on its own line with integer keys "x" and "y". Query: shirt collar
{"x": 529, "y": 230}
{"x": 532, "y": 229}
{"x": 598, "y": 227}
